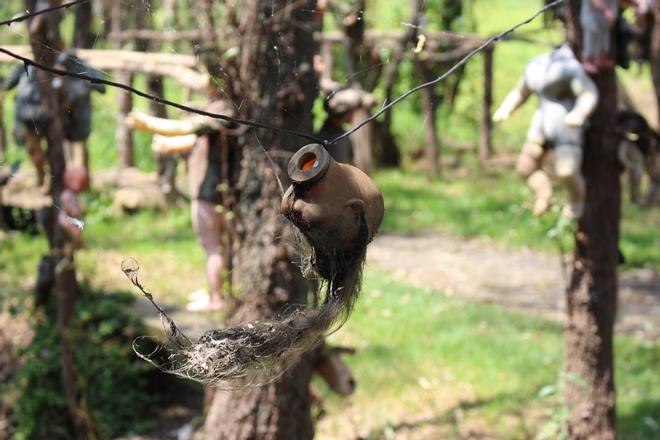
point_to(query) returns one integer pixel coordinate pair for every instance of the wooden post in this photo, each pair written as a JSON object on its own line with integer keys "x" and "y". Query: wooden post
{"x": 485, "y": 138}
{"x": 362, "y": 141}
{"x": 83, "y": 37}
{"x": 430, "y": 103}
{"x": 124, "y": 132}
{"x": 3, "y": 132}
{"x": 655, "y": 57}
{"x": 124, "y": 99}
{"x": 44, "y": 36}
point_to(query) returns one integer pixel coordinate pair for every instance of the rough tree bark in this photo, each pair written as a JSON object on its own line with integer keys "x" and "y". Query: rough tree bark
{"x": 44, "y": 35}
{"x": 83, "y": 37}
{"x": 3, "y": 132}
{"x": 124, "y": 133}
{"x": 485, "y": 135}
{"x": 655, "y": 56}
{"x": 592, "y": 293}
{"x": 430, "y": 104}
{"x": 278, "y": 86}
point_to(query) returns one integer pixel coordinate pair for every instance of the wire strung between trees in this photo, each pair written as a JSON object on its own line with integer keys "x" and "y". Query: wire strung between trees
{"x": 455, "y": 67}
{"x": 43, "y": 11}
{"x": 30, "y": 62}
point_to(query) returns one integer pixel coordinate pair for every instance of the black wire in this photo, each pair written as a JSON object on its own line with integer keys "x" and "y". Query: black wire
{"x": 326, "y": 143}
{"x": 447, "y": 73}
{"x": 43, "y": 11}
{"x": 30, "y": 62}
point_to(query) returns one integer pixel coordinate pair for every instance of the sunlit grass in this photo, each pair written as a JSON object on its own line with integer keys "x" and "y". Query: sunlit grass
{"x": 497, "y": 206}
{"x": 421, "y": 348}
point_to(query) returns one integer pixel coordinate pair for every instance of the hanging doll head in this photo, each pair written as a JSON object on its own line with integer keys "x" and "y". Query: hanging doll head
{"x": 337, "y": 207}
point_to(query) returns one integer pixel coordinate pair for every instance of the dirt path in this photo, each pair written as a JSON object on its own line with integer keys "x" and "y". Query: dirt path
{"x": 525, "y": 280}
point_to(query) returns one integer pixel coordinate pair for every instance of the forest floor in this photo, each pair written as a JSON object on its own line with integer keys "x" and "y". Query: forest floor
{"x": 521, "y": 279}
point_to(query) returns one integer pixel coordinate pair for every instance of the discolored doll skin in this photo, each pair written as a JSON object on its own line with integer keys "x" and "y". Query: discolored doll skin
{"x": 336, "y": 206}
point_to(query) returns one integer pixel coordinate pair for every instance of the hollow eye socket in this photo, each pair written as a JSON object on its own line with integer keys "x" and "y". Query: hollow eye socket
{"x": 307, "y": 161}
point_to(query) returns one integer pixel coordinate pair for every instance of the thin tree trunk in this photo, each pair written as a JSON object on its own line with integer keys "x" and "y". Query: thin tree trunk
{"x": 44, "y": 35}
{"x": 166, "y": 165}
{"x": 655, "y": 57}
{"x": 592, "y": 294}
{"x": 430, "y": 103}
{"x": 3, "y": 132}
{"x": 391, "y": 155}
{"x": 362, "y": 141}
{"x": 124, "y": 132}
{"x": 83, "y": 37}
{"x": 485, "y": 137}
{"x": 281, "y": 91}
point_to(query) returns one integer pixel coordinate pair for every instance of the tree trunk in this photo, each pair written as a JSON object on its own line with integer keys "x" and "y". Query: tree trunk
{"x": 430, "y": 103}
{"x": 166, "y": 165}
{"x": 45, "y": 35}
{"x": 655, "y": 57}
{"x": 279, "y": 87}
{"x": 83, "y": 37}
{"x": 592, "y": 294}
{"x": 485, "y": 138}
{"x": 3, "y": 132}
{"x": 124, "y": 132}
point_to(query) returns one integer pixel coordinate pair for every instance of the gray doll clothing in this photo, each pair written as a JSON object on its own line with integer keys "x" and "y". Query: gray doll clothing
{"x": 549, "y": 76}
{"x": 596, "y": 29}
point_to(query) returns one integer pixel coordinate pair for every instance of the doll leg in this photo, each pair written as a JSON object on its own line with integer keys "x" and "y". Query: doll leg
{"x": 604, "y": 60}
{"x": 33, "y": 145}
{"x": 207, "y": 224}
{"x": 529, "y": 166}
{"x": 567, "y": 167}
{"x": 590, "y": 42}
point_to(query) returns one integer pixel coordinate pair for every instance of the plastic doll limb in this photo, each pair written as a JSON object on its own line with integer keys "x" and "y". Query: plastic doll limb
{"x": 541, "y": 185}
{"x": 567, "y": 168}
{"x": 587, "y": 98}
{"x": 164, "y": 145}
{"x": 165, "y": 127}
{"x": 514, "y": 99}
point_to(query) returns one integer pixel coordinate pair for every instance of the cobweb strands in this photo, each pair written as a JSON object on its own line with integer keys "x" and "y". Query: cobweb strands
{"x": 251, "y": 354}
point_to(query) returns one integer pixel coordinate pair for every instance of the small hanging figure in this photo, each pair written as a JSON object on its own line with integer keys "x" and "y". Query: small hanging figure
{"x": 639, "y": 153}
{"x": 597, "y": 18}
{"x": 76, "y": 180}
{"x": 567, "y": 97}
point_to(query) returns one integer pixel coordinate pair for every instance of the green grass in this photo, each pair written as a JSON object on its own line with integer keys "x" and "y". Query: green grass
{"x": 495, "y": 206}
{"x": 416, "y": 346}
{"x": 419, "y": 351}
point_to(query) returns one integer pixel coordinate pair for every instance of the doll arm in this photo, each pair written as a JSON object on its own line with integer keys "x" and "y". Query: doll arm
{"x": 171, "y": 127}
{"x": 162, "y": 126}
{"x": 514, "y": 99}
{"x": 164, "y": 145}
{"x": 587, "y": 97}
{"x": 13, "y": 78}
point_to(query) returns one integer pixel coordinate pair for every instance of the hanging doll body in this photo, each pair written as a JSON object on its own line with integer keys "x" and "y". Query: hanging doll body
{"x": 567, "y": 97}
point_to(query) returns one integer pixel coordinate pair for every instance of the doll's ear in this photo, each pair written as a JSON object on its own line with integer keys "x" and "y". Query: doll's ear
{"x": 357, "y": 207}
